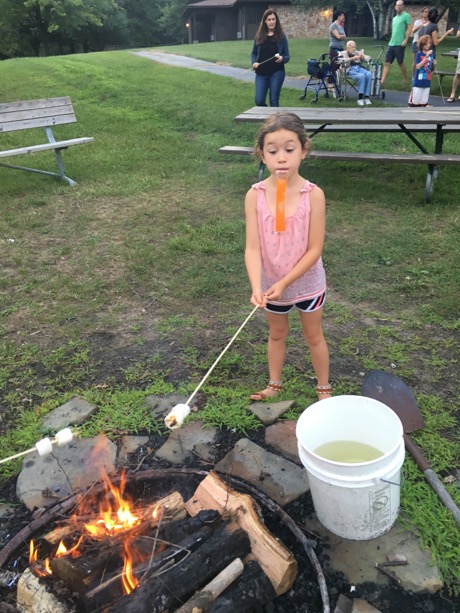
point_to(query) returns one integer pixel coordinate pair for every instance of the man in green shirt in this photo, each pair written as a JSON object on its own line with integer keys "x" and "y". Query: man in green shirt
{"x": 401, "y": 29}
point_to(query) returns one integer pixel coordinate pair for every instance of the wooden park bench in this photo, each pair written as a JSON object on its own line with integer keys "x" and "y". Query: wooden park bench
{"x": 28, "y": 114}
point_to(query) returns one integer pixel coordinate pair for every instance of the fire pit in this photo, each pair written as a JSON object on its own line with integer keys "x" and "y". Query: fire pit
{"x": 115, "y": 553}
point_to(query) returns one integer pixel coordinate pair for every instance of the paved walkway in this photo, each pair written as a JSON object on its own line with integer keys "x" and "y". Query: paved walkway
{"x": 391, "y": 97}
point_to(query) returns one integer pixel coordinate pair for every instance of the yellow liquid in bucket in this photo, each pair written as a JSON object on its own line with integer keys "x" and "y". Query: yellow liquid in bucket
{"x": 350, "y": 452}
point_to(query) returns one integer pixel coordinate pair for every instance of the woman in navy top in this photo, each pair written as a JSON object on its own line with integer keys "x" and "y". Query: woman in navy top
{"x": 269, "y": 55}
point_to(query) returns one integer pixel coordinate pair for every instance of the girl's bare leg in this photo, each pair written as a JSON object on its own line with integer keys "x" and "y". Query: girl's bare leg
{"x": 312, "y": 328}
{"x": 278, "y": 333}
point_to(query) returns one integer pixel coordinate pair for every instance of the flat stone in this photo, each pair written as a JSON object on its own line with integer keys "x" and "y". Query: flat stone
{"x": 282, "y": 438}
{"x": 357, "y": 559}
{"x": 74, "y": 412}
{"x": 128, "y": 445}
{"x": 162, "y": 405}
{"x": 268, "y": 412}
{"x": 343, "y": 605}
{"x": 190, "y": 439}
{"x": 362, "y": 606}
{"x": 281, "y": 480}
{"x": 6, "y": 510}
{"x": 44, "y": 480}
{"x": 33, "y": 596}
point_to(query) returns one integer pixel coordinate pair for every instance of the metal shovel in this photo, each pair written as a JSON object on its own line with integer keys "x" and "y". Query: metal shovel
{"x": 393, "y": 392}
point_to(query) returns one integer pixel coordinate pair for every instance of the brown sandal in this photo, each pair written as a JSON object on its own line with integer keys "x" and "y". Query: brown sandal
{"x": 276, "y": 386}
{"x": 324, "y": 390}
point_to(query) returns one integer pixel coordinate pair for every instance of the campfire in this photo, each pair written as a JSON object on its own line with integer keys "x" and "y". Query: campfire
{"x": 210, "y": 552}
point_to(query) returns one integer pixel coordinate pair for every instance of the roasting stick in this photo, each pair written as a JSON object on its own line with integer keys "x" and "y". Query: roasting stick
{"x": 270, "y": 58}
{"x": 175, "y": 418}
{"x": 45, "y": 445}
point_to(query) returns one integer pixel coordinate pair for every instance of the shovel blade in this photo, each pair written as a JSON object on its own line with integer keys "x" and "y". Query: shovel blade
{"x": 398, "y": 396}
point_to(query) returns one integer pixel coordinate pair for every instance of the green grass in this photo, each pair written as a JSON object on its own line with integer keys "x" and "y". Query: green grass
{"x": 133, "y": 282}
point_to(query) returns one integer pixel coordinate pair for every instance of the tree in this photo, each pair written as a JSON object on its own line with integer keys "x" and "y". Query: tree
{"x": 41, "y": 24}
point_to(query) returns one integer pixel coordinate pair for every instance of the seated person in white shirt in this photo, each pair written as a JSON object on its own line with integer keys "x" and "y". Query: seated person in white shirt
{"x": 359, "y": 74}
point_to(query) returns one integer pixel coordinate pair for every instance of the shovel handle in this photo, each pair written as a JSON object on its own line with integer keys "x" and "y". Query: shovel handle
{"x": 443, "y": 494}
{"x": 416, "y": 453}
{"x": 432, "y": 477}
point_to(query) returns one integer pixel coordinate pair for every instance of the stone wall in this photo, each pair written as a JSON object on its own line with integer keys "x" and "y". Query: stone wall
{"x": 298, "y": 23}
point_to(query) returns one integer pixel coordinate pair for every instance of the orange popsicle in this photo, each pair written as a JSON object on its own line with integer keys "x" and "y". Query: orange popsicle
{"x": 280, "y": 221}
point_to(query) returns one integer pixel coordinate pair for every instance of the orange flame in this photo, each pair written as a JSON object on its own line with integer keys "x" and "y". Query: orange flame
{"x": 41, "y": 571}
{"x": 128, "y": 580}
{"x": 114, "y": 516}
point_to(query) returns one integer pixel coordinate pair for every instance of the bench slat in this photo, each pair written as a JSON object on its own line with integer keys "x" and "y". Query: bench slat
{"x": 346, "y": 156}
{"x": 63, "y": 144}
{"x": 36, "y": 114}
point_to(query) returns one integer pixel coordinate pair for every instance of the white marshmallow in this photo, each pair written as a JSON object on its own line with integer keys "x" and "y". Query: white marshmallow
{"x": 44, "y": 447}
{"x": 64, "y": 436}
{"x": 175, "y": 418}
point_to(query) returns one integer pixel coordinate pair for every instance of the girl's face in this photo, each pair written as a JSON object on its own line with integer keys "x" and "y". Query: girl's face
{"x": 426, "y": 47}
{"x": 425, "y": 14}
{"x": 270, "y": 22}
{"x": 283, "y": 152}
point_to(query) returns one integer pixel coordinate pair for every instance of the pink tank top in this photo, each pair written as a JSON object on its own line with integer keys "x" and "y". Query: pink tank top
{"x": 282, "y": 250}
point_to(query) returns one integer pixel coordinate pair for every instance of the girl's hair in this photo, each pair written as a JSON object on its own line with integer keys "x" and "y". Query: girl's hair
{"x": 262, "y": 31}
{"x": 422, "y": 41}
{"x": 433, "y": 15}
{"x": 425, "y": 8}
{"x": 282, "y": 121}
{"x": 337, "y": 14}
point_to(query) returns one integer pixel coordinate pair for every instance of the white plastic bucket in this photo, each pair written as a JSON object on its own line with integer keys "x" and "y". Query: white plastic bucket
{"x": 357, "y": 501}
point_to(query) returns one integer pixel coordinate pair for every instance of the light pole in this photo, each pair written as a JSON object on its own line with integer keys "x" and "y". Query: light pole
{"x": 189, "y": 28}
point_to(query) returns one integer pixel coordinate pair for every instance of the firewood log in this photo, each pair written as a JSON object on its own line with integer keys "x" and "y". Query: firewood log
{"x": 203, "y": 599}
{"x": 108, "y": 591}
{"x": 155, "y": 595}
{"x": 252, "y": 589}
{"x": 276, "y": 561}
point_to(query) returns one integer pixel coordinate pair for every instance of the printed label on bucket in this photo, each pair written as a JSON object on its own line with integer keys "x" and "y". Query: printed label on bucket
{"x": 380, "y": 507}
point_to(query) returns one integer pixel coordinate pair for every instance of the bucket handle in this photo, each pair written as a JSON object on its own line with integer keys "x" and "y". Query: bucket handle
{"x": 403, "y": 479}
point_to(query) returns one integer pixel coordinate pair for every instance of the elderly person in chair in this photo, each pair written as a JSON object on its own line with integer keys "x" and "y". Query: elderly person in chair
{"x": 359, "y": 74}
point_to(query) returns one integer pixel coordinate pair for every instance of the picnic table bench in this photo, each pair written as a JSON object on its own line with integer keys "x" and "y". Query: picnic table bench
{"x": 444, "y": 73}
{"x": 46, "y": 113}
{"x": 407, "y": 121}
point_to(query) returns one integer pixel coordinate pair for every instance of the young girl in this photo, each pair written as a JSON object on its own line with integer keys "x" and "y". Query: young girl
{"x": 284, "y": 267}
{"x": 424, "y": 63}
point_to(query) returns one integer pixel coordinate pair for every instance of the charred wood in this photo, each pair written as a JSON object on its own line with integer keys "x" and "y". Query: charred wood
{"x": 253, "y": 588}
{"x": 155, "y": 595}
{"x": 109, "y": 590}
{"x": 203, "y": 599}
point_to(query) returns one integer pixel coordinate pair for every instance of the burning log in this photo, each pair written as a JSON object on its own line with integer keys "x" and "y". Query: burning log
{"x": 110, "y": 590}
{"x": 178, "y": 584}
{"x": 276, "y": 561}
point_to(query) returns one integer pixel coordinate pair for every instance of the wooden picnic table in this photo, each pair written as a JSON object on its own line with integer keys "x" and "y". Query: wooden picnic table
{"x": 409, "y": 121}
{"x": 453, "y": 53}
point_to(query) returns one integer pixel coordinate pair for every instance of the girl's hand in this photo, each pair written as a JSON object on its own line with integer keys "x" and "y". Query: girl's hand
{"x": 451, "y": 31}
{"x": 255, "y": 67}
{"x": 258, "y": 299}
{"x": 275, "y": 292}
{"x": 279, "y": 59}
